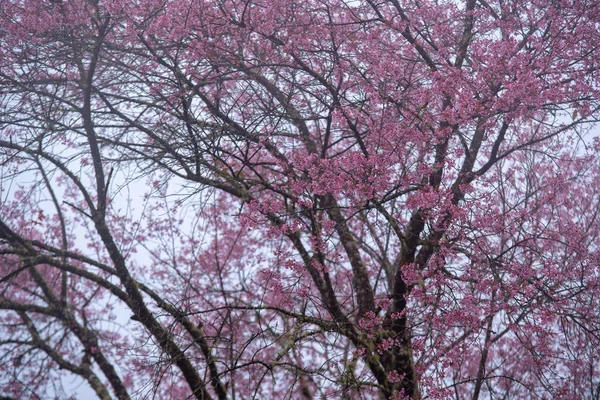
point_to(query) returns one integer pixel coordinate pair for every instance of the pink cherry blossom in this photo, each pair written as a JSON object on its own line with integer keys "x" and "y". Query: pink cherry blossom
{"x": 299, "y": 200}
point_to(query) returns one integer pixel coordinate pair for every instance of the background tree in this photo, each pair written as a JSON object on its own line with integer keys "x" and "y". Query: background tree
{"x": 319, "y": 199}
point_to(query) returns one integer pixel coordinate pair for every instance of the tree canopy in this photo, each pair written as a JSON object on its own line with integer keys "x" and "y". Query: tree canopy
{"x": 238, "y": 199}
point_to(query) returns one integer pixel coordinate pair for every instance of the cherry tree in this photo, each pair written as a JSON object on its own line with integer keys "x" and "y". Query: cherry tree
{"x": 281, "y": 199}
